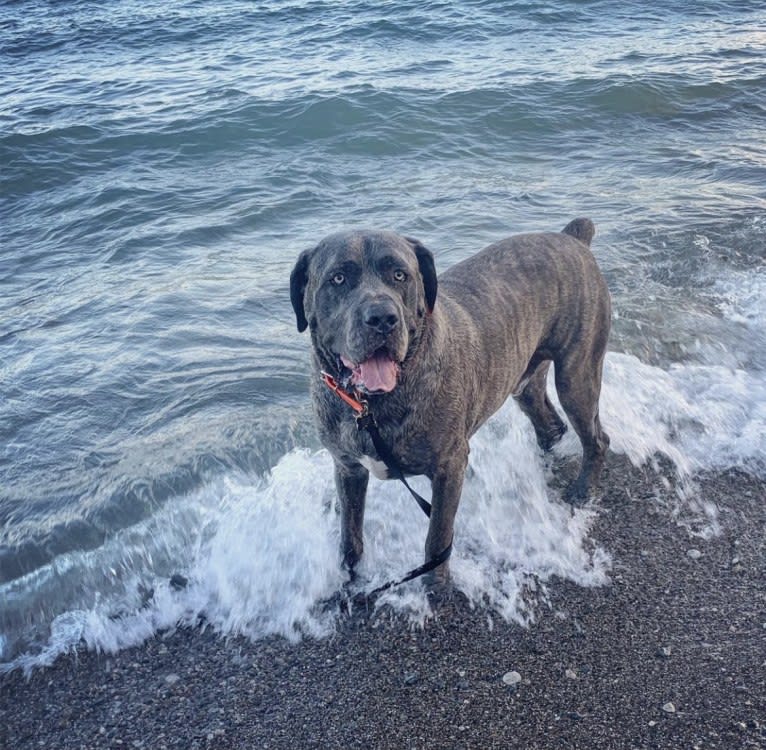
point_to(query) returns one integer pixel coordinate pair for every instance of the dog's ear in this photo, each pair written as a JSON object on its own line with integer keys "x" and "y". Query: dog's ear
{"x": 427, "y": 271}
{"x": 298, "y": 280}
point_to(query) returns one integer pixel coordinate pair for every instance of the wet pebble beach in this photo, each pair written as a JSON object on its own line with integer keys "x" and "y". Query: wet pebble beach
{"x": 671, "y": 653}
{"x": 169, "y": 535}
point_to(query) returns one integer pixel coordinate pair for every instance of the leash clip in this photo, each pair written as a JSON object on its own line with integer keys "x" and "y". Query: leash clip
{"x": 364, "y": 419}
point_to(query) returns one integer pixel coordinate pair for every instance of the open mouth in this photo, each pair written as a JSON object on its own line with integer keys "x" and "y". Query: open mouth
{"x": 376, "y": 374}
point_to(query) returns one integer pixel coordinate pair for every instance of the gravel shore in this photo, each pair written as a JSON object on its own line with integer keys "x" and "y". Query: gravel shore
{"x": 670, "y": 654}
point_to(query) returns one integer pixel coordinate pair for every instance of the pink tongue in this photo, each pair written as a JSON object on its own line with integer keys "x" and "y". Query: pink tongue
{"x": 378, "y": 373}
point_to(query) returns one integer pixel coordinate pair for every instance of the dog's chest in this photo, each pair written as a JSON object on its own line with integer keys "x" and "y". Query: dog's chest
{"x": 410, "y": 453}
{"x": 375, "y": 467}
{"x": 407, "y": 440}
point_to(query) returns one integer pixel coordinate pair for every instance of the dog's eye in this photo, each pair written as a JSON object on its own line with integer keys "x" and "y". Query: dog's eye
{"x": 400, "y": 275}
{"x": 338, "y": 279}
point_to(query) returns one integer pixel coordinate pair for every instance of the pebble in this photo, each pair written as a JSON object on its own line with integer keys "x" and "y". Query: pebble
{"x": 669, "y": 708}
{"x": 410, "y": 678}
{"x": 511, "y": 678}
{"x": 571, "y": 674}
{"x": 665, "y": 651}
{"x": 172, "y": 679}
{"x": 695, "y": 554}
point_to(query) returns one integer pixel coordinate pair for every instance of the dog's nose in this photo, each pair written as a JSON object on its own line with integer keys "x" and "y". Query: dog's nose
{"x": 381, "y": 318}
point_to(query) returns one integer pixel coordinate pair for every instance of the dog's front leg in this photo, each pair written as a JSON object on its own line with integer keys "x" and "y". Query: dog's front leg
{"x": 447, "y": 485}
{"x": 351, "y": 483}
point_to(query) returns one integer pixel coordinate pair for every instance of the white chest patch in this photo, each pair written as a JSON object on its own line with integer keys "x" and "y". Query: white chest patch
{"x": 378, "y": 468}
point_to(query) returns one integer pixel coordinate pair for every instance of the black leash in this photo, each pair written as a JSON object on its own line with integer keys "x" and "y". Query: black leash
{"x": 366, "y": 421}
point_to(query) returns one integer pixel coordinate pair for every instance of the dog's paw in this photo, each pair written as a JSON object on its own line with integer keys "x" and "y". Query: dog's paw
{"x": 349, "y": 560}
{"x": 577, "y": 495}
{"x": 446, "y": 598}
{"x": 439, "y": 591}
{"x": 546, "y": 440}
{"x": 348, "y": 601}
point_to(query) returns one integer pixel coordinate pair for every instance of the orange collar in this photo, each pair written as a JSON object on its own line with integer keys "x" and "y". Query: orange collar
{"x": 359, "y": 405}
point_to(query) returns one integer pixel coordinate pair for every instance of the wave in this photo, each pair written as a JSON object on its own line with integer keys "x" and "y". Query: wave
{"x": 260, "y": 553}
{"x": 162, "y": 168}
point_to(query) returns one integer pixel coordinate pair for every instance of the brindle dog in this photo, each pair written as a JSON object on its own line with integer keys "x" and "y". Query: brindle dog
{"x": 434, "y": 367}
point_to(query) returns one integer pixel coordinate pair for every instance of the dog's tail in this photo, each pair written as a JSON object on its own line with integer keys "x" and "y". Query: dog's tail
{"x": 581, "y": 229}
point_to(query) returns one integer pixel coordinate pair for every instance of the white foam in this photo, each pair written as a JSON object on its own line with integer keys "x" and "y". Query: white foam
{"x": 261, "y": 553}
{"x": 743, "y": 297}
{"x": 700, "y": 416}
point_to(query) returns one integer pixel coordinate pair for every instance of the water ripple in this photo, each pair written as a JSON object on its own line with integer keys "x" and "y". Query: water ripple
{"x": 162, "y": 166}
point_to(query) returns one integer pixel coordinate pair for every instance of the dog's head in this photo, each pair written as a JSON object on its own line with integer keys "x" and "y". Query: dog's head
{"x": 364, "y": 296}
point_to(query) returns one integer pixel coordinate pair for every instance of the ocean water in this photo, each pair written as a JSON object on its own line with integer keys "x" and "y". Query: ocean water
{"x": 162, "y": 165}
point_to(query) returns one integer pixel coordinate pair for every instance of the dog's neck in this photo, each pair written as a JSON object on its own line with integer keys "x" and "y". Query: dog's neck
{"x": 429, "y": 330}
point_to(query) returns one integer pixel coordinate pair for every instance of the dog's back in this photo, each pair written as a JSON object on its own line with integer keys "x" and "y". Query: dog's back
{"x": 525, "y": 298}
{"x": 542, "y": 270}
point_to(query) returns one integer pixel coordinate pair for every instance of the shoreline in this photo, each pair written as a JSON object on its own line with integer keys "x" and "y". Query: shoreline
{"x": 671, "y": 653}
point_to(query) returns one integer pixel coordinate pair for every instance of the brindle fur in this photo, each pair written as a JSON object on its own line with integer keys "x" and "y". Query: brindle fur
{"x": 500, "y": 318}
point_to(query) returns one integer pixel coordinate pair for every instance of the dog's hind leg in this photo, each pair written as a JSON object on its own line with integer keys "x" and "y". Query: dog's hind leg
{"x": 534, "y": 402}
{"x": 578, "y": 383}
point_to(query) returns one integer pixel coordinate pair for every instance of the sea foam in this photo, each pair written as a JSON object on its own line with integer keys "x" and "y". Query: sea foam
{"x": 260, "y": 553}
